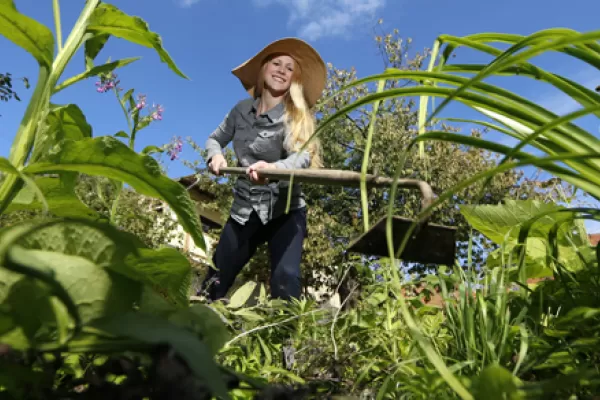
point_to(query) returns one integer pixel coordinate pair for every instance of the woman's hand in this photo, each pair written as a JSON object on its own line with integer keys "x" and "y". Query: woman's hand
{"x": 216, "y": 163}
{"x": 253, "y": 174}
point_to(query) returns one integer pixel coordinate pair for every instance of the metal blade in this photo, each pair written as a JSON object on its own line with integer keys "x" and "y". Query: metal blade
{"x": 431, "y": 244}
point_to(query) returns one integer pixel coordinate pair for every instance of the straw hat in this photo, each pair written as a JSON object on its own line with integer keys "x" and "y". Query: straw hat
{"x": 314, "y": 72}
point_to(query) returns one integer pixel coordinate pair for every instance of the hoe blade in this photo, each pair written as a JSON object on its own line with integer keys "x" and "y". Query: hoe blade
{"x": 429, "y": 244}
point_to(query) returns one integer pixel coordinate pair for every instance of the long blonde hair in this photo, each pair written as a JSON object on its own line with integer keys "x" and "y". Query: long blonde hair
{"x": 299, "y": 120}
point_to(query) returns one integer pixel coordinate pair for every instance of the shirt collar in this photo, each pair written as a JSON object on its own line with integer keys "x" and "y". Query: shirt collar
{"x": 273, "y": 114}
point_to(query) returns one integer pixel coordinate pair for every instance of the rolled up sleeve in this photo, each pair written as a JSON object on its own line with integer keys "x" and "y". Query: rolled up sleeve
{"x": 294, "y": 161}
{"x": 220, "y": 137}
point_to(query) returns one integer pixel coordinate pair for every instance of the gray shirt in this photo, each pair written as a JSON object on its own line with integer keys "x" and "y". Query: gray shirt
{"x": 258, "y": 138}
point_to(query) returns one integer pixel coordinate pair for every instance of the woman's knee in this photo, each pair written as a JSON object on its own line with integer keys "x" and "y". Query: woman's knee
{"x": 286, "y": 281}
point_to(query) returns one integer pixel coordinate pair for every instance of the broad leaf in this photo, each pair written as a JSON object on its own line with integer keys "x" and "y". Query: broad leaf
{"x": 241, "y": 296}
{"x": 93, "y": 46}
{"x": 501, "y": 224}
{"x": 107, "y": 156}
{"x": 72, "y": 258}
{"x": 100, "y": 243}
{"x": 26, "y": 295}
{"x": 108, "y": 19}
{"x": 60, "y": 197}
{"x": 154, "y": 330}
{"x": 205, "y": 322}
{"x": 166, "y": 270}
{"x": 62, "y": 122}
{"x": 96, "y": 291}
{"x": 503, "y": 221}
{"x": 100, "y": 69}
{"x": 27, "y": 33}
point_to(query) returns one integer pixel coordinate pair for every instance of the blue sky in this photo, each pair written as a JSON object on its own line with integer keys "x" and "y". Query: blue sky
{"x": 207, "y": 38}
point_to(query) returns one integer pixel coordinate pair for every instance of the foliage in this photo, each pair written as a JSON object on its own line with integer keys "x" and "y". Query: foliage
{"x": 96, "y": 288}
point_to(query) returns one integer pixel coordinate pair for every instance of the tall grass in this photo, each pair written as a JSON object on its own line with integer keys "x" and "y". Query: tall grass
{"x": 563, "y": 148}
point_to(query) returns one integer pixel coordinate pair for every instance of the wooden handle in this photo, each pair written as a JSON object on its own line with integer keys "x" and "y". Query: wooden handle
{"x": 337, "y": 177}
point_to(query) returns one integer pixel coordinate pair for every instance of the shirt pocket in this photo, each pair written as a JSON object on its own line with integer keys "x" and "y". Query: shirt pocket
{"x": 267, "y": 145}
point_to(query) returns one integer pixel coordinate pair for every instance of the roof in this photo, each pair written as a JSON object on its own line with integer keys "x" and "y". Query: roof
{"x": 210, "y": 218}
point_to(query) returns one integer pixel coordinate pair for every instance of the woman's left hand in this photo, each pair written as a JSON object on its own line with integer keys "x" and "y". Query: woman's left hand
{"x": 252, "y": 173}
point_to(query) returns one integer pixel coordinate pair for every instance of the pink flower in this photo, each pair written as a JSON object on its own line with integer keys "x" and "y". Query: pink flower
{"x": 175, "y": 147}
{"x": 157, "y": 113}
{"x": 107, "y": 82}
{"x": 141, "y": 101}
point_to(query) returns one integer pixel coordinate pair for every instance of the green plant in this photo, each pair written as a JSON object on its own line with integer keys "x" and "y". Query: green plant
{"x": 568, "y": 151}
{"x": 73, "y": 283}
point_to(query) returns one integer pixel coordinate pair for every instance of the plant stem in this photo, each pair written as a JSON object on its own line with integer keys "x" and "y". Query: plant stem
{"x": 127, "y": 118}
{"x": 365, "y": 163}
{"x": 39, "y": 103}
{"x": 56, "y": 9}
{"x": 119, "y": 185}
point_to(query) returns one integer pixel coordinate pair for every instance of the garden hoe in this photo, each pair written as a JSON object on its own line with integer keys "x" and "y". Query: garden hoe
{"x": 429, "y": 243}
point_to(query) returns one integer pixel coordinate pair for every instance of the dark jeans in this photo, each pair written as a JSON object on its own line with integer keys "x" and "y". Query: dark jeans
{"x": 238, "y": 243}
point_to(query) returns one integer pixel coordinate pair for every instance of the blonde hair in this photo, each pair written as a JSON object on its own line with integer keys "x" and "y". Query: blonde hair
{"x": 299, "y": 120}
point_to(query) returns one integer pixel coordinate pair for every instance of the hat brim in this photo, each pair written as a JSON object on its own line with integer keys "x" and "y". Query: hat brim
{"x": 314, "y": 72}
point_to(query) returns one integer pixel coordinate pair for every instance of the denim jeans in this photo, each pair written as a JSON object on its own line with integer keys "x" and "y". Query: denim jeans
{"x": 238, "y": 243}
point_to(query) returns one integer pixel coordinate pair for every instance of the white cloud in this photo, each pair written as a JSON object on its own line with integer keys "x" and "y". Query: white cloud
{"x": 314, "y": 19}
{"x": 560, "y": 103}
{"x": 187, "y": 3}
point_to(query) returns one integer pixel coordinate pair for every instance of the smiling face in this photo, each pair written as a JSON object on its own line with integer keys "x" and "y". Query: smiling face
{"x": 278, "y": 73}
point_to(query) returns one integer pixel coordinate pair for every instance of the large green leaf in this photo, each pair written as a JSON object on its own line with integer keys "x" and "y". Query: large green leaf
{"x": 198, "y": 318}
{"x": 166, "y": 270}
{"x": 60, "y": 198}
{"x": 100, "y": 69}
{"x": 108, "y": 19}
{"x": 503, "y": 221}
{"x": 27, "y": 33}
{"x": 154, "y": 330}
{"x": 502, "y": 224}
{"x": 25, "y": 326}
{"x": 96, "y": 291}
{"x": 109, "y": 157}
{"x": 62, "y": 122}
{"x": 76, "y": 259}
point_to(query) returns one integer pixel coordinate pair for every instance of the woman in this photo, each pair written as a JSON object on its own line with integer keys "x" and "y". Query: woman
{"x": 284, "y": 80}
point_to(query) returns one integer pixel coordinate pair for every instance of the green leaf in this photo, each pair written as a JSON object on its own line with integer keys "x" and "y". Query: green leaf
{"x": 497, "y": 383}
{"x": 152, "y": 149}
{"x": 500, "y": 222}
{"x": 62, "y": 122}
{"x": 25, "y": 295}
{"x": 75, "y": 254}
{"x": 60, "y": 197}
{"x": 153, "y": 330}
{"x": 166, "y": 270}
{"x": 93, "y": 71}
{"x": 122, "y": 134}
{"x": 107, "y": 156}
{"x": 7, "y": 167}
{"x": 205, "y": 322}
{"x": 93, "y": 46}
{"x": 96, "y": 291}
{"x": 27, "y": 33}
{"x": 108, "y": 19}
{"x": 241, "y": 296}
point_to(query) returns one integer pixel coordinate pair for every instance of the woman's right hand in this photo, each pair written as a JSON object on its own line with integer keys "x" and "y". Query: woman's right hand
{"x": 216, "y": 163}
